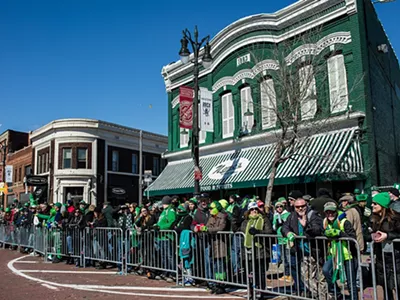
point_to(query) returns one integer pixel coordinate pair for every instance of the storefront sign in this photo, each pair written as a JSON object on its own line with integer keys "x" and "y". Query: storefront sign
{"x": 186, "y": 107}
{"x": 118, "y": 191}
{"x": 36, "y": 180}
{"x": 206, "y": 110}
{"x": 243, "y": 59}
{"x": 217, "y": 187}
{"x": 228, "y": 168}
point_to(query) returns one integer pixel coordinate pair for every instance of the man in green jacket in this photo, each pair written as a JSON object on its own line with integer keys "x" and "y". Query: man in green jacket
{"x": 164, "y": 241}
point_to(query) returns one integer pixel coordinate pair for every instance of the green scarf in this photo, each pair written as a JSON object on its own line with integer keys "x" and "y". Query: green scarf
{"x": 258, "y": 223}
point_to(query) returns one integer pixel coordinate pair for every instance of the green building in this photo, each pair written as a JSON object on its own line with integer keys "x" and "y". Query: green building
{"x": 358, "y": 147}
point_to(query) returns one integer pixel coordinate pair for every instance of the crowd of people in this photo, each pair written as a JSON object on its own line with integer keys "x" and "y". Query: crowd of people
{"x": 297, "y": 221}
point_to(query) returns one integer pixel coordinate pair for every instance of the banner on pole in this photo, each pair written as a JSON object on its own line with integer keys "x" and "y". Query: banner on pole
{"x": 186, "y": 107}
{"x": 9, "y": 174}
{"x": 206, "y": 110}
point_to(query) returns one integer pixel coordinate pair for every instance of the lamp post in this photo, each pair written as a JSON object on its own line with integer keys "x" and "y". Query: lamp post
{"x": 184, "y": 54}
{"x": 3, "y": 148}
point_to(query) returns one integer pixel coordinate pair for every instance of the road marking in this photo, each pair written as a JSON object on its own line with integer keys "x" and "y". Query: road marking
{"x": 50, "y": 287}
{"x": 68, "y": 272}
{"x": 17, "y": 272}
{"x": 27, "y": 262}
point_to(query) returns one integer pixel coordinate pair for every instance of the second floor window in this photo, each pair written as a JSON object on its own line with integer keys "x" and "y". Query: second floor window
{"x": 81, "y": 162}
{"x": 308, "y": 92}
{"x": 67, "y": 158}
{"x": 247, "y": 106}
{"x": 156, "y": 166}
{"x": 338, "y": 91}
{"x": 134, "y": 163}
{"x": 268, "y": 104}
{"x": 115, "y": 161}
{"x": 228, "y": 116}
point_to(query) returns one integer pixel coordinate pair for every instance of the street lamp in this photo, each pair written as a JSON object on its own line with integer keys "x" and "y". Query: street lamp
{"x": 206, "y": 60}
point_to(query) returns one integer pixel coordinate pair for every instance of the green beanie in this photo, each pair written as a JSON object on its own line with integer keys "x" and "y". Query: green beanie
{"x": 8, "y": 210}
{"x": 357, "y": 192}
{"x": 58, "y": 204}
{"x": 193, "y": 200}
{"x": 383, "y": 199}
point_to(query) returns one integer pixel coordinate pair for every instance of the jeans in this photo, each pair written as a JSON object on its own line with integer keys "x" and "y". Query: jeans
{"x": 285, "y": 257}
{"x": 167, "y": 255}
{"x": 235, "y": 253}
{"x": 351, "y": 275}
{"x": 295, "y": 270}
{"x": 207, "y": 261}
{"x": 69, "y": 244}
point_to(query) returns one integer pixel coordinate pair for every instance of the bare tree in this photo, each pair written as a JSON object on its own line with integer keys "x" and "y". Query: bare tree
{"x": 289, "y": 95}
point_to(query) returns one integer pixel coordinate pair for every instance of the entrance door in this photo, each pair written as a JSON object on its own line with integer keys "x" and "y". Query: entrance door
{"x": 74, "y": 193}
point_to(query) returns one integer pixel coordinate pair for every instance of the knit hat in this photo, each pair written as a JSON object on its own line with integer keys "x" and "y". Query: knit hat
{"x": 215, "y": 207}
{"x": 193, "y": 200}
{"x": 8, "y": 210}
{"x": 362, "y": 197}
{"x": 295, "y": 194}
{"x": 331, "y": 206}
{"x": 278, "y": 203}
{"x": 166, "y": 200}
{"x": 282, "y": 199}
{"x": 357, "y": 192}
{"x": 308, "y": 198}
{"x": 58, "y": 204}
{"x": 394, "y": 191}
{"x": 223, "y": 203}
{"x": 252, "y": 205}
{"x": 383, "y": 199}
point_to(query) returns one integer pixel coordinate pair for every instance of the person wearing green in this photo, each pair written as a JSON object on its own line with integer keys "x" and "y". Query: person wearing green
{"x": 164, "y": 242}
{"x": 280, "y": 216}
{"x": 341, "y": 264}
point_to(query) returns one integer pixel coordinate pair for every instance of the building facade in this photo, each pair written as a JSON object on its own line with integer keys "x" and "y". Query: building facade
{"x": 94, "y": 161}
{"x": 357, "y": 95}
{"x": 13, "y": 149}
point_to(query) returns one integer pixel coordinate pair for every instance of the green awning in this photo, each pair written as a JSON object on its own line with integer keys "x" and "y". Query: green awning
{"x": 334, "y": 155}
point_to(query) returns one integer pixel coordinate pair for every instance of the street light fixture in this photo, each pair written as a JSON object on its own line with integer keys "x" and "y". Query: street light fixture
{"x": 206, "y": 60}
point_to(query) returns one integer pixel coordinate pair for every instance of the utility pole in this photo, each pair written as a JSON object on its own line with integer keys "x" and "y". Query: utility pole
{"x": 140, "y": 167}
{"x": 3, "y": 148}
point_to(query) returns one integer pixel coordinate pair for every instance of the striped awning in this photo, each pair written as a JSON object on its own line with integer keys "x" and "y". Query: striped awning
{"x": 335, "y": 154}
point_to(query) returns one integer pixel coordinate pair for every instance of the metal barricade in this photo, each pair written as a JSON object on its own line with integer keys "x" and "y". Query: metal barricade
{"x": 65, "y": 242}
{"x": 27, "y": 237}
{"x": 153, "y": 250}
{"x": 40, "y": 239}
{"x": 104, "y": 245}
{"x": 385, "y": 267}
{"x": 2, "y": 235}
{"x": 218, "y": 258}
{"x": 11, "y": 236}
{"x": 315, "y": 268}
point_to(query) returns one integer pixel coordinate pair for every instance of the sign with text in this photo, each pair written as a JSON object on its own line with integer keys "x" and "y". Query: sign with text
{"x": 186, "y": 107}
{"x": 9, "y": 174}
{"x": 243, "y": 59}
{"x": 206, "y": 110}
{"x": 32, "y": 180}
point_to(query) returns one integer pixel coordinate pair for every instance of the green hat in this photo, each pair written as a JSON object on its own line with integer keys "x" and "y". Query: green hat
{"x": 193, "y": 200}
{"x": 26, "y": 204}
{"x": 383, "y": 199}
{"x": 282, "y": 199}
{"x": 58, "y": 204}
{"x": 362, "y": 197}
{"x": 278, "y": 203}
{"x": 82, "y": 202}
{"x": 357, "y": 192}
{"x": 8, "y": 210}
{"x": 330, "y": 206}
{"x": 223, "y": 203}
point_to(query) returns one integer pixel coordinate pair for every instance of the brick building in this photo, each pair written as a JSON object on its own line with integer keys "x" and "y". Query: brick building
{"x": 93, "y": 160}
{"x": 362, "y": 71}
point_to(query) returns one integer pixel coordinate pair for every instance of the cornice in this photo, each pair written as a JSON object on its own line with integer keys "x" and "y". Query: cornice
{"x": 281, "y": 19}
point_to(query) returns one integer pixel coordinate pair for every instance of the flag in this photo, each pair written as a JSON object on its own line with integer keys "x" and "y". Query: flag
{"x": 206, "y": 110}
{"x": 186, "y": 107}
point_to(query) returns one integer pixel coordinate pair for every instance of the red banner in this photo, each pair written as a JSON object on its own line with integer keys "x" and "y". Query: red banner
{"x": 186, "y": 107}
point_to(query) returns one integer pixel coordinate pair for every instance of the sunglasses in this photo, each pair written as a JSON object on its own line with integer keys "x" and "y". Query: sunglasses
{"x": 374, "y": 203}
{"x": 279, "y": 206}
{"x": 254, "y": 209}
{"x": 300, "y": 206}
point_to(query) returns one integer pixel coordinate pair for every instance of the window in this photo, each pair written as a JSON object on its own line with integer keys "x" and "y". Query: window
{"x": 46, "y": 162}
{"x": 82, "y": 159}
{"x": 184, "y": 139}
{"x": 39, "y": 164}
{"x": 67, "y": 158}
{"x": 268, "y": 104}
{"x": 19, "y": 174}
{"x": 337, "y": 77}
{"x": 115, "y": 161}
{"x": 134, "y": 163}
{"x": 28, "y": 170}
{"x": 308, "y": 92}
{"x": 228, "y": 117}
{"x": 143, "y": 163}
{"x": 246, "y": 105}
{"x": 156, "y": 166}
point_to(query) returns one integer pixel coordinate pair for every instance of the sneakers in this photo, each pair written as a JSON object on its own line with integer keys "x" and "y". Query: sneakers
{"x": 158, "y": 277}
{"x": 286, "y": 278}
{"x": 169, "y": 280}
{"x": 188, "y": 282}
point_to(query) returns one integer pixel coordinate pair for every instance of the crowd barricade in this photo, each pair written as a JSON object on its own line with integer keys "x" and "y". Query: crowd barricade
{"x": 311, "y": 265}
{"x": 27, "y": 238}
{"x": 219, "y": 258}
{"x": 40, "y": 239}
{"x": 385, "y": 269}
{"x": 65, "y": 242}
{"x": 11, "y": 235}
{"x": 104, "y": 245}
{"x": 153, "y": 250}
{"x": 1, "y": 235}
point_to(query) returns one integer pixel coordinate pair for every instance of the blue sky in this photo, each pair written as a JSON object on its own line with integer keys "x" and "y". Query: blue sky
{"x": 102, "y": 59}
